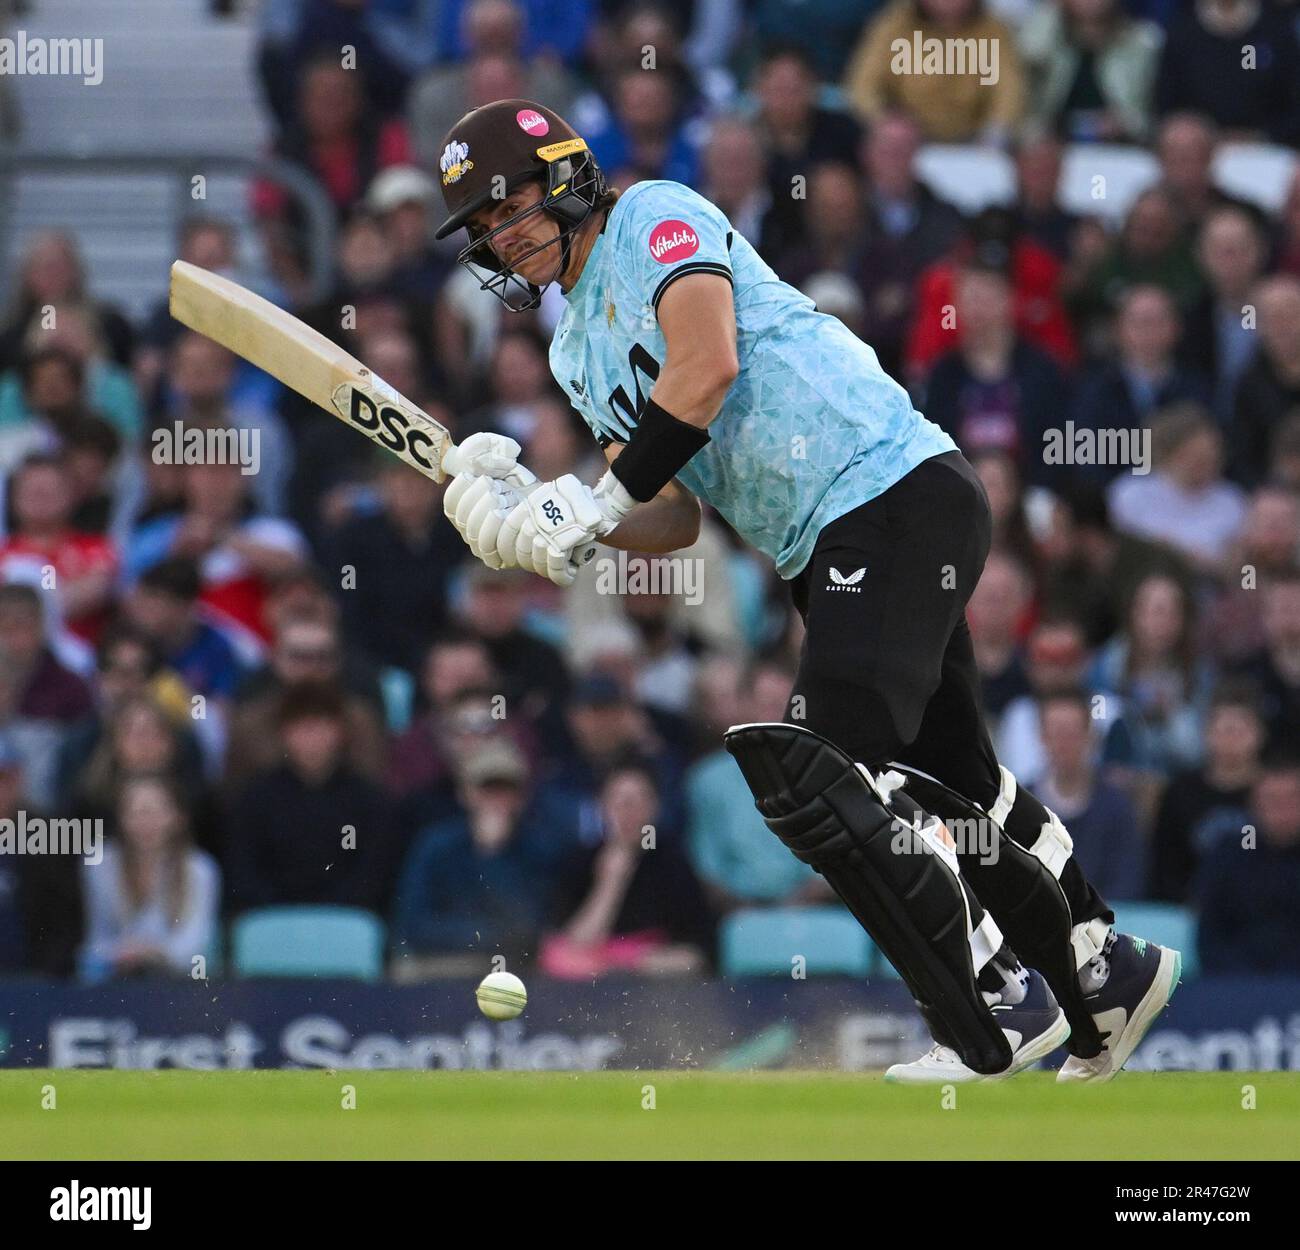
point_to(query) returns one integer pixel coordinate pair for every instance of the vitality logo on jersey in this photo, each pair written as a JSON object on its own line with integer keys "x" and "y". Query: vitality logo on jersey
{"x": 850, "y": 583}
{"x": 673, "y": 240}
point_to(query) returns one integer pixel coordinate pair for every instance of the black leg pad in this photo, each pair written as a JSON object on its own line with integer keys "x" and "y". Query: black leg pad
{"x": 1025, "y": 899}
{"x": 814, "y": 798}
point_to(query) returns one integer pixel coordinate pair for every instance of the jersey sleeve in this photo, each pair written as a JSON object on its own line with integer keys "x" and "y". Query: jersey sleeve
{"x": 669, "y": 231}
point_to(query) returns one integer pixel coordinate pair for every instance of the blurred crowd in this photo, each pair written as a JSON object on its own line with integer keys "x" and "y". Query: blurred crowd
{"x": 294, "y": 685}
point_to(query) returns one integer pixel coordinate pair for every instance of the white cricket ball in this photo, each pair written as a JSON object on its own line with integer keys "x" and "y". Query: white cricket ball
{"x": 501, "y": 996}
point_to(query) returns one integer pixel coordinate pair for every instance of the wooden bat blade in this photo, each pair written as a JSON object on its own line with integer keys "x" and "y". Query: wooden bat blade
{"x": 307, "y": 362}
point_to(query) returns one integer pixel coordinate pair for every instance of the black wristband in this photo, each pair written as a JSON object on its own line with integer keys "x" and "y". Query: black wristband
{"x": 658, "y": 450}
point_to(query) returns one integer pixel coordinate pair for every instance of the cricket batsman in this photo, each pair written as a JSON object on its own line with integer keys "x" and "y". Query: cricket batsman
{"x": 704, "y": 376}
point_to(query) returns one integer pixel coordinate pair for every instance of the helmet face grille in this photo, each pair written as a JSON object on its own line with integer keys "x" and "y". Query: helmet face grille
{"x": 580, "y": 184}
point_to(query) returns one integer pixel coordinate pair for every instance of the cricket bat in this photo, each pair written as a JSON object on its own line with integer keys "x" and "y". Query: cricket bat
{"x": 307, "y": 362}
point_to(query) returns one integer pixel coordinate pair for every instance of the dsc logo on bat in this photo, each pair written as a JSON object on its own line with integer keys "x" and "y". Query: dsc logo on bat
{"x": 375, "y": 416}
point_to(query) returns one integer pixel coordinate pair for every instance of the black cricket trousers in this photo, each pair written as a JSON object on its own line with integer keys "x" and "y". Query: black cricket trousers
{"x": 887, "y": 671}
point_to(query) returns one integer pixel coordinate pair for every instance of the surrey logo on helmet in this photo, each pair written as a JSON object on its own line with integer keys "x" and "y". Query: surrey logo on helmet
{"x": 455, "y": 162}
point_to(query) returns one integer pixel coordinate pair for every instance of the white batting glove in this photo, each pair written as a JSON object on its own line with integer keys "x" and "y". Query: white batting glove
{"x": 554, "y": 527}
{"x": 488, "y": 455}
{"x": 477, "y": 507}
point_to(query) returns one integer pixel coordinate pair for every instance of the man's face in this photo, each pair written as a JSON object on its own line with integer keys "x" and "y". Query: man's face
{"x": 453, "y": 668}
{"x": 202, "y": 370}
{"x": 1064, "y": 731}
{"x": 307, "y": 651}
{"x": 534, "y": 231}
{"x": 313, "y": 743}
{"x": 53, "y": 388}
{"x": 1276, "y": 800}
{"x": 42, "y": 497}
{"x": 162, "y": 616}
{"x": 20, "y": 632}
{"x": 1147, "y": 328}
{"x": 1282, "y": 614}
{"x": 1233, "y": 734}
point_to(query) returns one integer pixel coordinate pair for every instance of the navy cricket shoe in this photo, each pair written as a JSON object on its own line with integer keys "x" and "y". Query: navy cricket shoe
{"x": 1035, "y": 1026}
{"x": 1141, "y": 980}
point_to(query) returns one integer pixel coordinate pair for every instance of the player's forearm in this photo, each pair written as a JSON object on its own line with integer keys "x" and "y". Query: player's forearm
{"x": 663, "y": 524}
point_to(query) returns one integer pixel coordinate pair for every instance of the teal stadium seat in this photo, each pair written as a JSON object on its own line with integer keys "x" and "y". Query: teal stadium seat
{"x": 1165, "y": 923}
{"x": 763, "y": 941}
{"x": 308, "y": 942}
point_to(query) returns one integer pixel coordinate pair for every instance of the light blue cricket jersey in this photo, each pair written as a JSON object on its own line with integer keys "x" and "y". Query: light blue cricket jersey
{"x": 812, "y": 426}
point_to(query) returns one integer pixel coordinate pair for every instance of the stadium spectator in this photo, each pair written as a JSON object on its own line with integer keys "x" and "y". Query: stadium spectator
{"x": 109, "y": 389}
{"x": 476, "y": 881}
{"x": 993, "y": 240}
{"x": 129, "y": 666}
{"x": 647, "y": 131}
{"x": 393, "y": 566}
{"x": 996, "y": 615}
{"x": 387, "y": 44}
{"x": 138, "y": 733}
{"x": 1091, "y": 569}
{"x": 1162, "y": 687}
{"x": 532, "y": 670}
{"x": 311, "y": 829}
{"x": 796, "y": 133}
{"x": 335, "y": 136}
{"x": 733, "y": 175}
{"x": 1275, "y": 666}
{"x": 210, "y": 243}
{"x": 51, "y": 273}
{"x": 1205, "y": 68}
{"x": 40, "y": 895}
{"x": 630, "y": 903}
{"x": 1286, "y": 241}
{"x": 1203, "y": 805}
{"x": 304, "y": 651}
{"x": 826, "y": 31}
{"x": 1184, "y": 501}
{"x": 907, "y": 229}
{"x": 1219, "y": 332}
{"x": 518, "y": 380}
{"x": 963, "y": 103}
{"x": 1055, "y": 659}
{"x": 833, "y": 237}
{"x": 1091, "y": 70}
{"x": 1186, "y": 146}
{"x": 1124, "y": 393}
{"x": 1038, "y": 210}
{"x": 1108, "y": 840}
{"x": 1268, "y": 545}
{"x": 238, "y": 551}
{"x": 401, "y": 198}
{"x": 455, "y": 664}
{"x": 995, "y": 391}
{"x": 83, "y": 565}
{"x": 163, "y": 605}
{"x": 731, "y": 850}
{"x": 1247, "y": 886}
{"x": 606, "y": 725}
{"x": 552, "y": 30}
{"x": 202, "y": 382}
{"x": 153, "y": 901}
{"x": 52, "y": 380}
{"x": 91, "y": 454}
{"x": 41, "y": 700}
{"x": 1152, "y": 249}
{"x": 1269, "y": 389}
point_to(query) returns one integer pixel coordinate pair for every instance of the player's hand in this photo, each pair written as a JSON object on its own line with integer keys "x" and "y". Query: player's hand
{"x": 554, "y": 527}
{"x": 488, "y": 455}
{"x": 477, "y": 507}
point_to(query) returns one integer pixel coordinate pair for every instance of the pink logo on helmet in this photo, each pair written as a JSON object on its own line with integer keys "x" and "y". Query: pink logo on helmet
{"x": 532, "y": 121}
{"x": 673, "y": 240}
